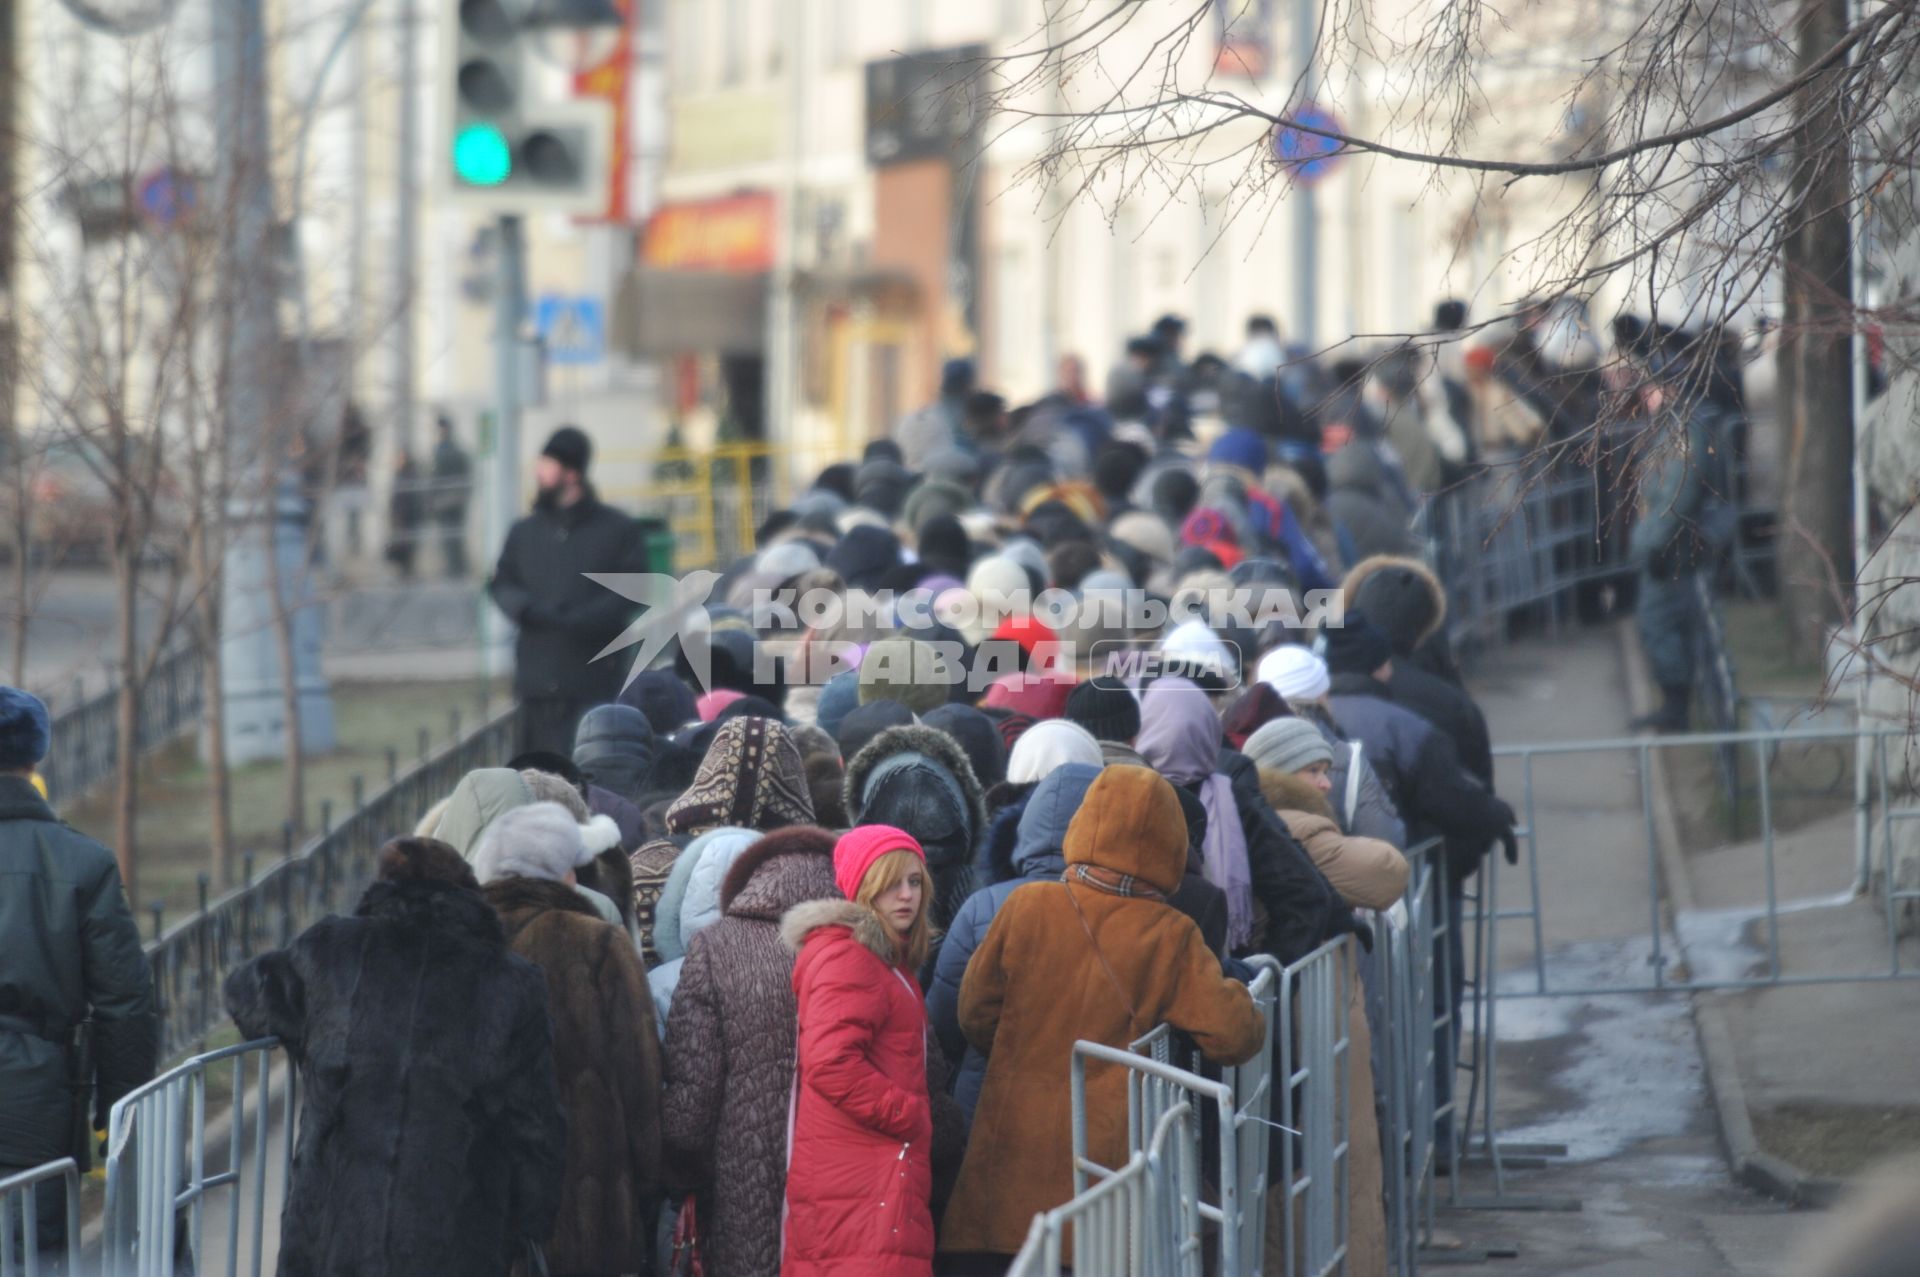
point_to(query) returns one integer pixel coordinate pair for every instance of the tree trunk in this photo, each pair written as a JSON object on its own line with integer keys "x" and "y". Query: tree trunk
{"x": 213, "y": 702}
{"x": 283, "y": 621}
{"x": 1816, "y": 546}
{"x": 126, "y": 796}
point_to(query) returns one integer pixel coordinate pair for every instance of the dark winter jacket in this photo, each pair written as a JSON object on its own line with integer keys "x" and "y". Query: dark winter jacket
{"x": 860, "y": 1183}
{"x": 1407, "y": 601}
{"x": 604, "y": 802}
{"x": 1303, "y": 910}
{"x": 614, "y": 746}
{"x": 606, "y": 1054}
{"x": 1365, "y": 502}
{"x": 729, "y": 1051}
{"x": 1037, "y": 857}
{"x": 564, "y": 618}
{"x": 919, "y": 779}
{"x": 1422, "y": 771}
{"x": 68, "y": 948}
{"x": 431, "y": 1133}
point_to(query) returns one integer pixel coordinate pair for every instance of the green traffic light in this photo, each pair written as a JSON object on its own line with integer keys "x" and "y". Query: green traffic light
{"x": 481, "y": 156}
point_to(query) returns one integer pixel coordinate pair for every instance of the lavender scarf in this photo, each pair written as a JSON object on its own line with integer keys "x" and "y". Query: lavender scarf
{"x": 1180, "y": 739}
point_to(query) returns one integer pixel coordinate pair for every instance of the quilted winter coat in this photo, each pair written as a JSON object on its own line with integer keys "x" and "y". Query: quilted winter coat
{"x": 1036, "y": 985}
{"x": 860, "y": 1173}
{"x": 729, "y": 1053}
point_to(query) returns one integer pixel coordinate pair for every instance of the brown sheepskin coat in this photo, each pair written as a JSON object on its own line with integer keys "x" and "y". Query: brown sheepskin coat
{"x": 607, "y": 1055}
{"x": 730, "y": 1043}
{"x": 1036, "y": 985}
{"x": 1368, "y": 874}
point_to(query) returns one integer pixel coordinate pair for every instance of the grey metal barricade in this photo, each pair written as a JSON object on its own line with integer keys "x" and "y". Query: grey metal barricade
{"x": 1243, "y": 1133}
{"x": 1141, "y": 1221}
{"x": 20, "y": 1245}
{"x": 1410, "y": 1007}
{"x": 178, "y": 1201}
{"x": 1315, "y": 1095}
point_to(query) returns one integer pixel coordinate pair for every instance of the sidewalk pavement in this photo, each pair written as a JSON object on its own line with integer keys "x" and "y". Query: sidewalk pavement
{"x": 1616, "y": 1078}
{"x": 1815, "y": 1083}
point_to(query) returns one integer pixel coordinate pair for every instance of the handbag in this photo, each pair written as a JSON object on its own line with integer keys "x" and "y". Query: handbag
{"x": 686, "y": 1259}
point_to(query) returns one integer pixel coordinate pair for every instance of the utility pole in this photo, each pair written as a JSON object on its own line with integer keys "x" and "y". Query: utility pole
{"x": 267, "y": 515}
{"x": 509, "y": 395}
{"x": 1306, "y": 225}
{"x": 406, "y": 240}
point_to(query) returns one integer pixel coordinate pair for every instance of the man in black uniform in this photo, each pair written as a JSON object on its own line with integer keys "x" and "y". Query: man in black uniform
{"x": 564, "y": 619}
{"x": 71, "y": 969}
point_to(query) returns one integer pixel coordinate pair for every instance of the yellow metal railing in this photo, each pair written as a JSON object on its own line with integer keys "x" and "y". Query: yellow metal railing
{"x": 715, "y": 499}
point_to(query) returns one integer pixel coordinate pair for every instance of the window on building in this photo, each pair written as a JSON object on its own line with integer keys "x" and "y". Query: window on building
{"x": 733, "y": 41}
{"x": 1014, "y": 24}
{"x": 839, "y": 32}
{"x": 684, "y": 38}
{"x": 917, "y": 23}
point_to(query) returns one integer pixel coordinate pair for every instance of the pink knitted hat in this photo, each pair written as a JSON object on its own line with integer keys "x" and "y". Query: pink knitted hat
{"x": 710, "y": 705}
{"x": 858, "y": 848}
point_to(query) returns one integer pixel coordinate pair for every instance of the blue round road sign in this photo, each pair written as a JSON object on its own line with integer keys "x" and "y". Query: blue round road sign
{"x": 1309, "y": 156}
{"x": 166, "y": 196}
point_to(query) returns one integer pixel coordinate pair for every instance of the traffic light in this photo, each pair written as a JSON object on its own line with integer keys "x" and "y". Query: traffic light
{"x": 509, "y": 148}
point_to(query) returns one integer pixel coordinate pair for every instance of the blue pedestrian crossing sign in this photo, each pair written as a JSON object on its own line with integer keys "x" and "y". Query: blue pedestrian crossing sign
{"x": 572, "y": 329}
{"x": 1309, "y": 156}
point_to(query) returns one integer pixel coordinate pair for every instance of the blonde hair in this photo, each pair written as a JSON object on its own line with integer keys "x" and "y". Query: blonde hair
{"x": 888, "y": 872}
{"x": 430, "y": 820}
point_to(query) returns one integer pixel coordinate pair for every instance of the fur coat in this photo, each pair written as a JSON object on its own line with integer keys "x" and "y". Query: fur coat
{"x": 607, "y": 1056}
{"x": 431, "y": 1133}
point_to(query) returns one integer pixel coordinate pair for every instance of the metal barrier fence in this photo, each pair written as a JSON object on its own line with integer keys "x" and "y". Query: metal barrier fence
{"x": 1761, "y": 941}
{"x": 85, "y": 749}
{"x": 191, "y": 959}
{"x": 1315, "y": 1099}
{"x": 1307, "y": 1063}
{"x": 1413, "y": 1019}
{"x": 178, "y": 1201}
{"x": 20, "y": 1243}
{"x": 1141, "y": 1221}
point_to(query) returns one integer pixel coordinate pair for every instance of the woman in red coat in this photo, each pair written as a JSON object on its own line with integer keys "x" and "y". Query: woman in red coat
{"x": 859, "y": 1165}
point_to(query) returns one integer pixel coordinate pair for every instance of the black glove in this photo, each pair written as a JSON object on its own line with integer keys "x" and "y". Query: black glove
{"x": 1510, "y": 845}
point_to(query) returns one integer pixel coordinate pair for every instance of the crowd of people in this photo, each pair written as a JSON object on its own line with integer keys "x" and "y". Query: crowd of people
{"x": 1024, "y": 728}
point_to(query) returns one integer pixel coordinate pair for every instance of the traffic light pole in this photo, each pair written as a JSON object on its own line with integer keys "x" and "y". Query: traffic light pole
{"x": 509, "y": 312}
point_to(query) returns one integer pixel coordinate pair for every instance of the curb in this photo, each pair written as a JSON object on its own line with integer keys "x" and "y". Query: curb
{"x": 1752, "y": 1166}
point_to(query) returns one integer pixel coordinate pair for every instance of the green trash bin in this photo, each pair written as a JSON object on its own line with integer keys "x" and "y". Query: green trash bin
{"x": 660, "y": 545}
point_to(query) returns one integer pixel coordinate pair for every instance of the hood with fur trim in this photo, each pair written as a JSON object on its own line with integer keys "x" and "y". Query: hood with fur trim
{"x": 803, "y": 920}
{"x": 1285, "y": 791}
{"x": 770, "y": 894}
{"x": 929, "y": 742}
{"x": 1400, "y": 595}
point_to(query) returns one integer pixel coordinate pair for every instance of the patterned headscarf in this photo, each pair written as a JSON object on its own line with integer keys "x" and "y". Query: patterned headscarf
{"x": 751, "y": 778}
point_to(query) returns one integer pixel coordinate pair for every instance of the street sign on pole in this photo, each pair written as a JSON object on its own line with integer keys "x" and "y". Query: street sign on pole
{"x": 573, "y": 329}
{"x": 1303, "y": 151}
{"x": 165, "y": 195}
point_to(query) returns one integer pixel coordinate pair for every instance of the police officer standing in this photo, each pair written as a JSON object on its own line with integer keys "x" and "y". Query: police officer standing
{"x": 1683, "y": 517}
{"x": 77, "y": 1023}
